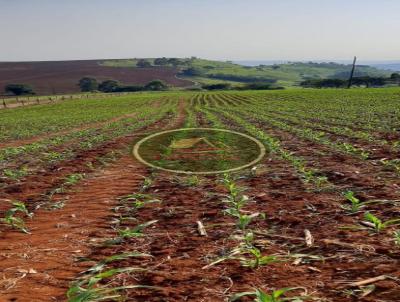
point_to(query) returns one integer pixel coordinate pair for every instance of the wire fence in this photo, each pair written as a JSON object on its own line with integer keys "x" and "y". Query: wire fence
{"x": 40, "y": 100}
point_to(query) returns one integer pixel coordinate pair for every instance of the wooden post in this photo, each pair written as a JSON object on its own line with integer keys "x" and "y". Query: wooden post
{"x": 37, "y": 101}
{"x": 352, "y": 72}
{"x": 4, "y": 103}
{"x": 23, "y": 103}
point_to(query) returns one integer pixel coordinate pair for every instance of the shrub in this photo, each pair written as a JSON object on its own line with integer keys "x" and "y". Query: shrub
{"x": 220, "y": 86}
{"x": 19, "y": 89}
{"x": 143, "y": 63}
{"x": 155, "y": 85}
{"x": 88, "y": 84}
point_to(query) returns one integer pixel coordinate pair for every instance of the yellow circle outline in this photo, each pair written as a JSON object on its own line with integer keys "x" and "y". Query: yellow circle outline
{"x": 135, "y": 151}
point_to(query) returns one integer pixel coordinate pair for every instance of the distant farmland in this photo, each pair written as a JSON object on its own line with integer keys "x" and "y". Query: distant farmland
{"x": 62, "y": 76}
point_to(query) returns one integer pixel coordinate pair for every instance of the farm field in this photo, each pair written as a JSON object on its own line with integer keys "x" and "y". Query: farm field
{"x": 61, "y": 77}
{"x": 317, "y": 219}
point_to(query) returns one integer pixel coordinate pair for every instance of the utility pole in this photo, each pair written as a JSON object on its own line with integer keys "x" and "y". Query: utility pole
{"x": 352, "y": 72}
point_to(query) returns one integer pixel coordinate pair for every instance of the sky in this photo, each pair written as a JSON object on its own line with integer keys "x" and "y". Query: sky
{"x": 212, "y": 29}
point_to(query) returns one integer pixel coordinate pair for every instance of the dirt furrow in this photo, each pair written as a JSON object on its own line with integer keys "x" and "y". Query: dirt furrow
{"x": 39, "y": 266}
{"x": 58, "y": 237}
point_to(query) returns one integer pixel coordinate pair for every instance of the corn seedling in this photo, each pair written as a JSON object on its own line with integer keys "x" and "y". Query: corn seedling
{"x": 137, "y": 231}
{"x": 356, "y": 204}
{"x": 13, "y": 221}
{"x": 261, "y": 296}
{"x": 256, "y": 258}
{"x": 377, "y": 224}
{"x": 248, "y": 239}
{"x": 138, "y": 200}
{"x": 15, "y": 174}
{"x": 102, "y": 264}
{"x": 73, "y": 179}
{"x": 189, "y": 181}
{"x": 233, "y": 189}
{"x": 243, "y": 220}
{"x": 89, "y": 290}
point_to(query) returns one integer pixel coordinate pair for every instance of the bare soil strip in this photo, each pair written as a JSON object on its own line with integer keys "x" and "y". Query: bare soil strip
{"x": 58, "y": 237}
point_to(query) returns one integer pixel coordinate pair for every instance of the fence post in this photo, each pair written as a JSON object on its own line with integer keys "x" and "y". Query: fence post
{"x": 4, "y": 103}
{"x": 37, "y": 101}
{"x": 23, "y": 102}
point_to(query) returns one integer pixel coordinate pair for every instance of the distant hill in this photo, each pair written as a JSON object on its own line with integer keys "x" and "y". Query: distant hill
{"x": 388, "y": 66}
{"x": 287, "y": 74}
{"x": 61, "y": 77}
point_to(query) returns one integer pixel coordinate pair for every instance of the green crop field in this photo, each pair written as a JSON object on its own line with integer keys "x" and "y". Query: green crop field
{"x": 326, "y": 194}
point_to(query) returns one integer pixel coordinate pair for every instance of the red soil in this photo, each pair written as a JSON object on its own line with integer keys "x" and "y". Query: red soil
{"x": 40, "y": 266}
{"x": 61, "y": 77}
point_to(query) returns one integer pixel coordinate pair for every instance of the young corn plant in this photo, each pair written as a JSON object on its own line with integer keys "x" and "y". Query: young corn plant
{"x": 137, "y": 231}
{"x": 356, "y": 204}
{"x": 261, "y": 296}
{"x": 90, "y": 290}
{"x": 233, "y": 189}
{"x": 147, "y": 183}
{"x": 15, "y": 174}
{"x": 100, "y": 266}
{"x": 243, "y": 220}
{"x": 236, "y": 201}
{"x": 377, "y": 224}
{"x": 138, "y": 200}
{"x": 256, "y": 258}
{"x": 73, "y": 179}
{"x": 187, "y": 181}
{"x": 14, "y": 221}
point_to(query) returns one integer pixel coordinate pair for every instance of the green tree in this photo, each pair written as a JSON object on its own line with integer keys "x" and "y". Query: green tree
{"x": 88, "y": 84}
{"x": 194, "y": 72}
{"x": 109, "y": 86}
{"x": 143, "y": 63}
{"x": 155, "y": 85}
{"x": 218, "y": 86}
{"x": 19, "y": 89}
{"x": 395, "y": 76}
{"x": 161, "y": 61}
{"x": 175, "y": 62}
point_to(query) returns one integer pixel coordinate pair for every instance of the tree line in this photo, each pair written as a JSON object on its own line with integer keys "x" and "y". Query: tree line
{"x": 88, "y": 84}
{"x": 364, "y": 81}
